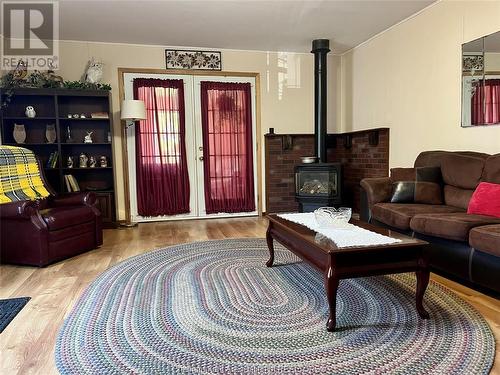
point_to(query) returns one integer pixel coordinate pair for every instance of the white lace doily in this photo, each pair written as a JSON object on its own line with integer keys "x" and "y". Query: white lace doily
{"x": 349, "y": 236}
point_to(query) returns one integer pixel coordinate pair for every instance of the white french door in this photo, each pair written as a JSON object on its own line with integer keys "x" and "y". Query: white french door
{"x": 194, "y": 144}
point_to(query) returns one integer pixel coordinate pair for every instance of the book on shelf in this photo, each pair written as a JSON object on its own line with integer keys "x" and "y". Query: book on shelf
{"x": 52, "y": 161}
{"x": 71, "y": 183}
{"x": 66, "y": 181}
{"x": 103, "y": 115}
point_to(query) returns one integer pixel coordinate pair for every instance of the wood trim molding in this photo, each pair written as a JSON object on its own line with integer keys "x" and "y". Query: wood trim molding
{"x": 187, "y": 72}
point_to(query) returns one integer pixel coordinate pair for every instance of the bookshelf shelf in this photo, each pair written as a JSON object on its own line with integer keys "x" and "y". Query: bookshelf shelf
{"x": 30, "y": 118}
{"x": 52, "y": 107}
{"x": 29, "y": 144}
{"x": 86, "y": 144}
{"x": 88, "y": 169}
{"x": 83, "y": 119}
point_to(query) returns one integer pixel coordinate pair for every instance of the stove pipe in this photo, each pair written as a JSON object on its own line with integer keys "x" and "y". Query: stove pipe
{"x": 320, "y": 48}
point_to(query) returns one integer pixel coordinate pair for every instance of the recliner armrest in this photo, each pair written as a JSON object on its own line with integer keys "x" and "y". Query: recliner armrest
{"x": 73, "y": 199}
{"x": 21, "y": 210}
{"x": 377, "y": 189}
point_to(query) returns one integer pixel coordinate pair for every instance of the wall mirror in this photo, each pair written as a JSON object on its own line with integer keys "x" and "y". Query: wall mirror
{"x": 481, "y": 81}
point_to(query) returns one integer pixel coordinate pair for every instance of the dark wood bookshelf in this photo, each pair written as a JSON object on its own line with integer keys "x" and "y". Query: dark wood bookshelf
{"x": 52, "y": 106}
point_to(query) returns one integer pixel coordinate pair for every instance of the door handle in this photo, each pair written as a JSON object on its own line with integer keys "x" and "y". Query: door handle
{"x": 200, "y": 158}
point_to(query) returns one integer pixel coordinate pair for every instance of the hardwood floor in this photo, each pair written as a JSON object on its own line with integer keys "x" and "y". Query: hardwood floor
{"x": 27, "y": 344}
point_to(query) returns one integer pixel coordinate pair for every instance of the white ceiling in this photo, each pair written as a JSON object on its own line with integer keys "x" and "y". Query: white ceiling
{"x": 246, "y": 25}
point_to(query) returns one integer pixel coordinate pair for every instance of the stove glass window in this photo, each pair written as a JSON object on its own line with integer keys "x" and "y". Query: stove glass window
{"x": 316, "y": 183}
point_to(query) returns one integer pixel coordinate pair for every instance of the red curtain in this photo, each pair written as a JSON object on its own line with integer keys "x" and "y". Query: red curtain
{"x": 161, "y": 165}
{"x": 486, "y": 102}
{"x": 226, "y": 114}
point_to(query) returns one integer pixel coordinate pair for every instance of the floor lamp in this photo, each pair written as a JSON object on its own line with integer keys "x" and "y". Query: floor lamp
{"x": 131, "y": 111}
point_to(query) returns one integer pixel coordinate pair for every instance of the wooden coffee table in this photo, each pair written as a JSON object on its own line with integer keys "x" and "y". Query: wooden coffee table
{"x": 344, "y": 263}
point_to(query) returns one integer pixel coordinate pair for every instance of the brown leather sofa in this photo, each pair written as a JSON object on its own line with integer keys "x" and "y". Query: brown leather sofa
{"x": 462, "y": 245}
{"x": 41, "y": 232}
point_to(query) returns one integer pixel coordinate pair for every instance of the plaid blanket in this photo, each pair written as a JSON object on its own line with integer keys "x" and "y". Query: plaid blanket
{"x": 19, "y": 175}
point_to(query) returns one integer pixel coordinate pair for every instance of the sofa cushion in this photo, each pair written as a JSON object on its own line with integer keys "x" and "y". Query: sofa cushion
{"x": 462, "y": 171}
{"x": 402, "y": 174}
{"x": 491, "y": 171}
{"x": 62, "y": 217}
{"x": 485, "y": 200}
{"x": 457, "y": 197}
{"x": 417, "y": 185}
{"x": 403, "y": 192}
{"x": 453, "y": 226}
{"x": 434, "y": 158}
{"x": 398, "y": 215}
{"x": 486, "y": 238}
{"x": 416, "y": 192}
{"x": 430, "y": 158}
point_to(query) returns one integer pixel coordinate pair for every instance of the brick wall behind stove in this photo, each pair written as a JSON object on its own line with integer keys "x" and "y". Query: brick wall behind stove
{"x": 280, "y": 163}
{"x": 359, "y": 161}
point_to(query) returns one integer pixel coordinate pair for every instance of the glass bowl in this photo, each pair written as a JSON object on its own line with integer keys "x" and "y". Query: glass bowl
{"x": 333, "y": 217}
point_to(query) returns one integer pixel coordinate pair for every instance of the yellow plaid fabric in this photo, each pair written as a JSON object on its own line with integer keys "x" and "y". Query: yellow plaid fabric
{"x": 19, "y": 175}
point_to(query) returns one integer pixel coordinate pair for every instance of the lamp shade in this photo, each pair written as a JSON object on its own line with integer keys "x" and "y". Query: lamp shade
{"x": 133, "y": 110}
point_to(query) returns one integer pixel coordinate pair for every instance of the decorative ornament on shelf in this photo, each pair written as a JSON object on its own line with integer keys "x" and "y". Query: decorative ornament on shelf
{"x": 92, "y": 162}
{"x": 94, "y": 71}
{"x": 103, "y": 161}
{"x": 30, "y": 112}
{"x": 79, "y": 85}
{"x": 21, "y": 71}
{"x": 70, "y": 162}
{"x": 69, "y": 138}
{"x": 19, "y": 133}
{"x": 50, "y": 133}
{"x": 83, "y": 160}
{"x": 88, "y": 138}
{"x": 192, "y": 59}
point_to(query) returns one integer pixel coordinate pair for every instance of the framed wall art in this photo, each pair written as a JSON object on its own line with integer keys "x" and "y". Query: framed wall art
{"x": 197, "y": 60}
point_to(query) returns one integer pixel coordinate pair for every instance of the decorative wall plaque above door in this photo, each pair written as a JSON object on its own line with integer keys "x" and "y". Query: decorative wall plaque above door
{"x": 197, "y": 60}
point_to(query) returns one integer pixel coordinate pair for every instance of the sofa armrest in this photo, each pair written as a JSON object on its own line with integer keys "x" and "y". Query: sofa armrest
{"x": 377, "y": 189}
{"x": 22, "y": 210}
{"x": 73, "y": 199}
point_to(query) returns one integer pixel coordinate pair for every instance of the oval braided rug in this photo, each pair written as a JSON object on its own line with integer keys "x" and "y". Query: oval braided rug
{"x": 213, "y": 307}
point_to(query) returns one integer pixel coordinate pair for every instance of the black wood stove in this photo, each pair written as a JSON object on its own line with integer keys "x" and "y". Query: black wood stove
{"x": 319, "y": 184}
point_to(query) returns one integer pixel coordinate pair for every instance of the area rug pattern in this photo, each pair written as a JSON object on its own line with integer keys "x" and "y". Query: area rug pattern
{"x": 213, "y": 307}
{"x": 9, "y": 308}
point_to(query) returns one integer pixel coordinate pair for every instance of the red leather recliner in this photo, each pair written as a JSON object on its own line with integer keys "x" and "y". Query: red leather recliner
{"x": 40, "y": 232}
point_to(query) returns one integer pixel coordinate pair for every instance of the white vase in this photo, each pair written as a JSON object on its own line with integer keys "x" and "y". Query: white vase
{"x": 19, "y": 133}
{"x": 50, "y": 133}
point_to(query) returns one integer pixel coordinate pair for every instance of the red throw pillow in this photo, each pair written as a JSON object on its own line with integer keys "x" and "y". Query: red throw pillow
{"x": 485, "y": 200}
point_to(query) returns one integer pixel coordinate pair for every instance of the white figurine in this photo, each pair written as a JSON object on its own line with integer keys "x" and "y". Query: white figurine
{"x": 88, "y": 138}
{"x": 92, "y": 162}
{"x": 30, "y": 112}
{"x": 94, "y": 71}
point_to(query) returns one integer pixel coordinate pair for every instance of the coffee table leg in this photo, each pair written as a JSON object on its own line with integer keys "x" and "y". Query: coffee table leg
{"x": 422, "y": 282}
{"x": 331, "y": 286}
{"x": 270, "y": 246}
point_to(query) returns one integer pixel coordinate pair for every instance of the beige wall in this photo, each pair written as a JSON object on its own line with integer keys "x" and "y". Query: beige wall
{"x": 408, "y": 78}
{"x": 287, "y": 94}
{"x": 492, "y": 62}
